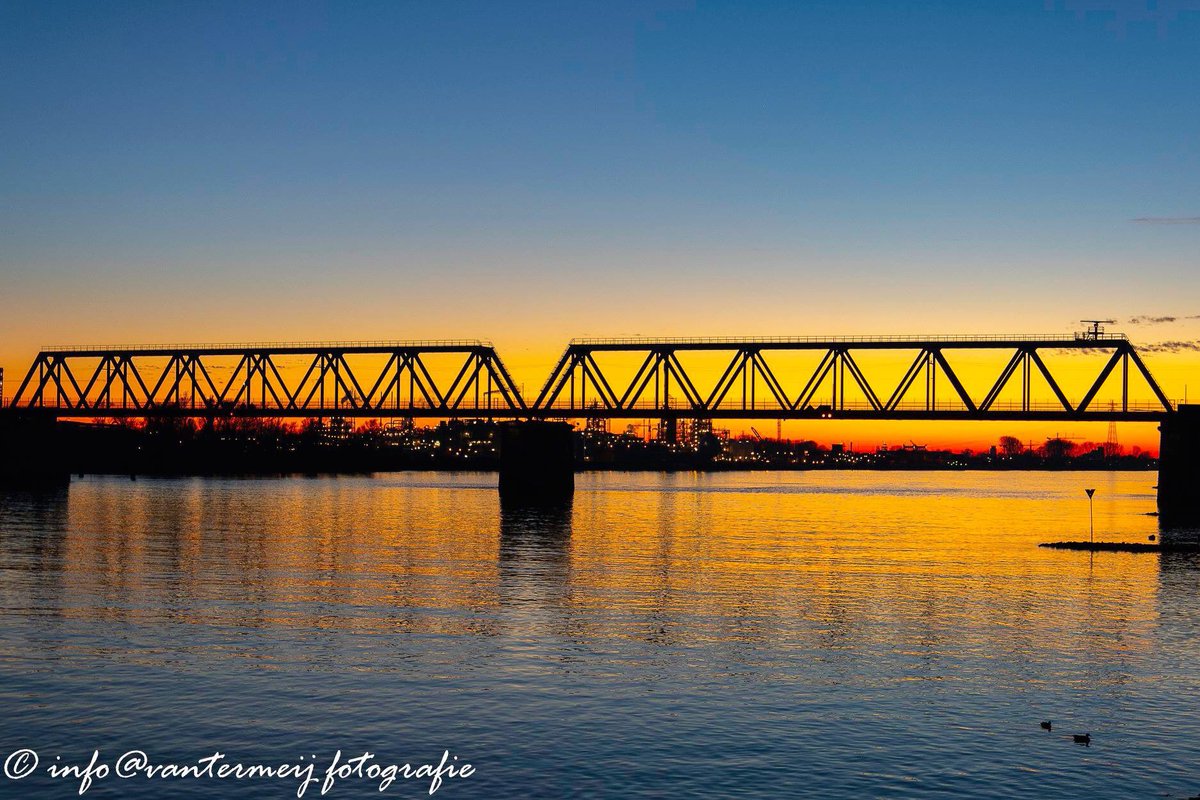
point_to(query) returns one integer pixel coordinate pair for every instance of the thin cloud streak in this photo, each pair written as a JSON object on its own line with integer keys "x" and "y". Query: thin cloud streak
{"x": 1171, "y": 347}
{"x": 1166, "y": 220}
{"x": 1159, "y": 319}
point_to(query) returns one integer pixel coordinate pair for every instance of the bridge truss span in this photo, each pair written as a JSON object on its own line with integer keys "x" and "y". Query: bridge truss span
{"x": 369, "y": 379}
{"x": 1085, "y": 377}
{"x": 837, "y": 382}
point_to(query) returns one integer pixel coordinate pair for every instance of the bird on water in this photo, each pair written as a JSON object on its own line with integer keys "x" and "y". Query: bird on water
{"x": 1082, "y": 738}
{"x": 1047, "y": 725}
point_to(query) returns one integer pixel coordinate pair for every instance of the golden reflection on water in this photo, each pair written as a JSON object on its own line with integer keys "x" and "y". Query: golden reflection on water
{"x": 736, "y": 634}
{"x": 912, "y": 562}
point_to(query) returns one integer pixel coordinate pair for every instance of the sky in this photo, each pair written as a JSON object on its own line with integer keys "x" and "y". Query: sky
{"x": 531, "y": 172}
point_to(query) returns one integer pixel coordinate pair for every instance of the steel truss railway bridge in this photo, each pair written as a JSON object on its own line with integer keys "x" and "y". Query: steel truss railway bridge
{"x": 467, "y": 379}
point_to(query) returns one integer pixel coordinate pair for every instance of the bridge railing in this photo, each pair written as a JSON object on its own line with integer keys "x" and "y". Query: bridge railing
{"x": 198, "y": 409}
{"x": 649, "y": 409}
{"x": 190, "y": 347}
{"x": 1000, "y": 339}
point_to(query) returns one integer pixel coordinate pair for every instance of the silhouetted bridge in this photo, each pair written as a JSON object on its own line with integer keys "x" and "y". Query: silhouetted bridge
{"x": 467, "y": 379}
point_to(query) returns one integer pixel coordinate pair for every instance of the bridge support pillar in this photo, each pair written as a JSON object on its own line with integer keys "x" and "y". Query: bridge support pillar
{"x": 1179, "y": 466}
{"x": 537, "y": 463}
{"x": 31, "y": 448}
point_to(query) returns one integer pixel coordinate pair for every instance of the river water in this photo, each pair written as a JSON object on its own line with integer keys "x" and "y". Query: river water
{"x": 784, "y": 634}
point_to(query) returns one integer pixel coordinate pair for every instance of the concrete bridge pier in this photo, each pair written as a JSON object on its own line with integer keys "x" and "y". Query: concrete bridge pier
{"x": 1179, "y": 466}
{"x": 31, "y": 448}
{"x": 537, "y": 463}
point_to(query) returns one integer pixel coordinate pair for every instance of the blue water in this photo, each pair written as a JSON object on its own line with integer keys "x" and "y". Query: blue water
{"x": 825, "y": 634}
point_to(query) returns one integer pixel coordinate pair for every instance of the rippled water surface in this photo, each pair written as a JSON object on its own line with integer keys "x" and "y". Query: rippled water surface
{"x": 825, "y": 634}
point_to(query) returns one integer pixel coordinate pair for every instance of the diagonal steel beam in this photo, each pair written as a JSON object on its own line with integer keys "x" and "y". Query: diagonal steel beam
{"x": 1154, "y": 387}
{"x": 654, "y": 360}
{"x": 546, "y": 397}
{"x": 629, "y": 395}
{"x": 590, "y": 375}
{"x": 907, "y": 381}
{"x": 361, "y": 395}
{"x": 426, "y": 384}
{"x": 1005, "y": 375}
{"x": 197, "y": 363}
{"x": 1062, "y": 398}
{"x": 954, "y": 381}
{"x": 503, "y": 385}
{"x": 861, "y": 380}
{"x": 685, "y": 382}
{"x": 28, "y": 378}
{"x": 1104, "y": 373}
{"x": 383, "y": 373}
{"x": 172, "y": 362}
{"x": 74, "y": 384}
{"x": 814, "y": 382}
{"x": 772, "y": 382}
{"x": 243, "y": 361}
{"x": 467, "y": 376}
{"x": 565, "y": 373}
{"x": 91, "y": 384}
{"x": 606, "y": 391}
{"x": 727, "y": 379}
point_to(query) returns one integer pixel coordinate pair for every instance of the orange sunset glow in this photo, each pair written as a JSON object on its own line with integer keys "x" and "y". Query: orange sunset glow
{"x": 618, "y": 400}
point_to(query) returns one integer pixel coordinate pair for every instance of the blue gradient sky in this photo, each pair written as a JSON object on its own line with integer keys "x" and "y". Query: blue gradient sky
{"x": 528, "y": 172}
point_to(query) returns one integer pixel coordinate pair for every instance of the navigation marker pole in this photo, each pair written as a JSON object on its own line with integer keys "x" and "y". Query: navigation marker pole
{"x": 1091, "y": 516}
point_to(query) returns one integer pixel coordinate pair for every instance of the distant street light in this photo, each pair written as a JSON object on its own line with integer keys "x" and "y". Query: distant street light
{"x": 1091, "y": 516}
